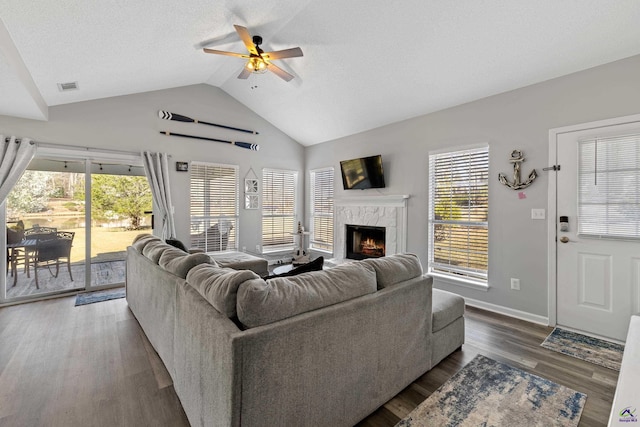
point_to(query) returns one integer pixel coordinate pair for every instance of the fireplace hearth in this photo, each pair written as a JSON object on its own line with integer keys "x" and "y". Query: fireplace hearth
{"x": 365, "y": 242}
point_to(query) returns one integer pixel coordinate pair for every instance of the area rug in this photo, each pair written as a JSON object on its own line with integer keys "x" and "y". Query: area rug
{"x": 488, "y": 393}
{"x": 594, "y": 350}
{"x": 99, "y": 296}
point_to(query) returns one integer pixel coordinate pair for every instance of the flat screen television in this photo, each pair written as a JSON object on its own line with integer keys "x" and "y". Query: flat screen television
{"x": 362, "y": 173}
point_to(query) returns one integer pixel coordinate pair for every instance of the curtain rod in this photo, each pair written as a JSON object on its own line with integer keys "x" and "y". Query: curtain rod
{"x": 89, "y": 149}
{"x": 78, "y": 147}
{"x": 18, "y": 140}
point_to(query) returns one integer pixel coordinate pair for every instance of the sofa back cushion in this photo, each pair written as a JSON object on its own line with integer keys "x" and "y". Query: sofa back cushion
{"x": 179, "y": 262}
{"x": 219, "y": 285}
{"x": 262, "y": 302}
{"x": 154, "y": 249}
{"x": 394, "y": 269}
{"x": 141, "y": 240}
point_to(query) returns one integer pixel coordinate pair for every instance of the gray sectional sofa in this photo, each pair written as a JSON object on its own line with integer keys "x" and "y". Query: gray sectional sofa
{"x": 325, "y": 348}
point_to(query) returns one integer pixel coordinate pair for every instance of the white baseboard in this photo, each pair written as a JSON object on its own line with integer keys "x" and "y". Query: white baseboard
{"x": 522, "y": 315}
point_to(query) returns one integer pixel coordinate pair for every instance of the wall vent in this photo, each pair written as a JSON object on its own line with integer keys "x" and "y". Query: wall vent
{"x": 64, "y": 87}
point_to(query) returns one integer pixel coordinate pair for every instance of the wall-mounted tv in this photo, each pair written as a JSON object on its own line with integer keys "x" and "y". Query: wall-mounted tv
{"x": 362, "y": 173}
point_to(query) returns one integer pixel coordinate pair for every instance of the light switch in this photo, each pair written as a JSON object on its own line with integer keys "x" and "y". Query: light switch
{"x": 537, "y": 214}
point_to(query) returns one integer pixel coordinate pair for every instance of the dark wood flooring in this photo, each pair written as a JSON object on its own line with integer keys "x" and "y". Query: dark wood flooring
{"x": 91, "y": 365}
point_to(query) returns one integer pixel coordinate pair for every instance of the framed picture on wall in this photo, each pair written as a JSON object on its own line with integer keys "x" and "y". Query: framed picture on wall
{"x": 251, "y": 201}
{"x": 251, "y": 186}
{"x": 182, "y": 166}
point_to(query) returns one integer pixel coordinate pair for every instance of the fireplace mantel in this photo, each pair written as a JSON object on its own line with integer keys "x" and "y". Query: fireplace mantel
{"x": 400, "y": 200}
{"x": 379, "y": 211}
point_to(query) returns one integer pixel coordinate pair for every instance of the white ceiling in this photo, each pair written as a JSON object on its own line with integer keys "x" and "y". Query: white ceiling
{"x": 366, "y": 63}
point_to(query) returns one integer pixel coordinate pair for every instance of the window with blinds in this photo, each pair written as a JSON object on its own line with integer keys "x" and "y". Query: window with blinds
{"x": 278, "y": 209}
{"x": 609, "y": 187}
{"x": 458, "y": 214}
{"x": 214, "y": 206}
{"x": 322, "y": 209}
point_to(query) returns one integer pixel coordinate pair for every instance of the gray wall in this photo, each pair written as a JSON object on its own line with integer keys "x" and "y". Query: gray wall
{"x": 131, "y": 123}
{"x": 518, "y": 119}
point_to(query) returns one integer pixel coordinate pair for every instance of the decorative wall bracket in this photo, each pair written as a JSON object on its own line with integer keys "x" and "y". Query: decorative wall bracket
{"x": 516, "y": 158}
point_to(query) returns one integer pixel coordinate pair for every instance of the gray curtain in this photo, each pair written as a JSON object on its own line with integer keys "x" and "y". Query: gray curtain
{"x": 156, "y": 167}
{"x": 16, "y": 155}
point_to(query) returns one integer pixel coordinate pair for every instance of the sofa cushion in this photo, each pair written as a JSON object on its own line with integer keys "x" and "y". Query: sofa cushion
{"x": 261, "y": 302}
{"x": 154, "y": 249}
{"x": 179, "y": 262}
{"x": 447, "y": 307}
{"x": 394, "y": 269}
{"x": 141, "y": 240}
{"x": 219, "y": 285}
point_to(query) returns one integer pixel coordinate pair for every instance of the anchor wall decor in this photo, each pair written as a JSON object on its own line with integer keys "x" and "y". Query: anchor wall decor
{"x": 516, "y": 158}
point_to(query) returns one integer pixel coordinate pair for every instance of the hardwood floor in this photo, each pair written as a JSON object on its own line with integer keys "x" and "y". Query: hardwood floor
{"x": 516, "y": 343}
{"x": 91, "y": 365}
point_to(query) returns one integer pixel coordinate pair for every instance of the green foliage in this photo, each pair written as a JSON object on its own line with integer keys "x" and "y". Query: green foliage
{"x": 30, "y": 195}
{"x": 115, "y": 196}
{"x": 72, "y": 206}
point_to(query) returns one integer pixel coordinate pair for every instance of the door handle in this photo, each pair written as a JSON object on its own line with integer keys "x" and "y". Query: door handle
{"x": 564, "y": 239}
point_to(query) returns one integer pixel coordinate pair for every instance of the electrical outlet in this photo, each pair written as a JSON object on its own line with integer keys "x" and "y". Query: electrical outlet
{"x": 537, "y": 214}
{"x": 258, "y": 248}
{"x": 244, "y": 249}
{"x": 515, "y": 284}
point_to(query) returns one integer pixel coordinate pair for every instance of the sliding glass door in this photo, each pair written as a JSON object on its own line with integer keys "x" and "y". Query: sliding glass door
{"x": 68, "y": 223}
{"x": 118, "y": 205}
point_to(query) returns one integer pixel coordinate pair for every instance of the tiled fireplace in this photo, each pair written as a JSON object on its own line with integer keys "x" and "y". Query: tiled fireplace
{"x": 386, "y": 214}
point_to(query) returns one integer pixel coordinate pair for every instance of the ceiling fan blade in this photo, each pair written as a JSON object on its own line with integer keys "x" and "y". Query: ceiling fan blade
{"x": 281, "y": 54}
{"x": 279, "y": 72}
{"x": 222, "y": 52}
{"x": 246, "y": 39}
{"x": 244, "y": 74}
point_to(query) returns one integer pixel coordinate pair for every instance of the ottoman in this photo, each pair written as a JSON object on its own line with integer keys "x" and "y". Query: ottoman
{"x": 241, "y": 261}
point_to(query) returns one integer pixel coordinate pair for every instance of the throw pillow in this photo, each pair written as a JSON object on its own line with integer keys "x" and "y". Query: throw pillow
{"x": 314, "y": 265}
{"x": 177, "y": 244}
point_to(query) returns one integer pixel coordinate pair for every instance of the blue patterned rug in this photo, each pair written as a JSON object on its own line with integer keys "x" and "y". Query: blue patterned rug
{"x": 488, "y": 393}
{"x": 99, "y": 296}
{"x": 594, "y": 350}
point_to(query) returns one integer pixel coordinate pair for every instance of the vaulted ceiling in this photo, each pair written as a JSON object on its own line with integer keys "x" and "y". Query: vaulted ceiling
{"x": 365, "y": 64}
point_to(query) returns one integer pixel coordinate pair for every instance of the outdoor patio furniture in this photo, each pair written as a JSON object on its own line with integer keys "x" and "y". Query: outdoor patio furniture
{"x": 213, "y": 239}
{"x": 49, "y": 252}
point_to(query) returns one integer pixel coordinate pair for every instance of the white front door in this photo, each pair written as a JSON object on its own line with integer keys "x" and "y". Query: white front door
{"x": 598, "y": 257}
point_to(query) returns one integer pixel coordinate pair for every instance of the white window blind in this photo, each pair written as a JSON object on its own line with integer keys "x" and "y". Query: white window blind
{"x": 458, "y": 213}
{"x": 609, "y": 187}
{"x": 322, "y": 209}
{"x": 278, "y": 208}
{"x": 214, "y": 206}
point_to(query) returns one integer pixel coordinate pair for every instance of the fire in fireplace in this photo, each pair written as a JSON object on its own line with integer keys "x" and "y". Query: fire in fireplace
{"x": 365, "y": 242}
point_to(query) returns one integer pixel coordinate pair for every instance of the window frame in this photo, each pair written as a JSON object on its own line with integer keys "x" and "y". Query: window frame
{"x": 287, "y": 243}
{"x": 313, "y": 188}
{"x": 208, "y": 219}
{"x": 470, "y": 277}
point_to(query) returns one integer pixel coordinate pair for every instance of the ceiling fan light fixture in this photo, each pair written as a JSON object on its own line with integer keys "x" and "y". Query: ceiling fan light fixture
{"x": 256, "y": 65}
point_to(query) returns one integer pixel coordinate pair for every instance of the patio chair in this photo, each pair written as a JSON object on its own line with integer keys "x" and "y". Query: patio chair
{"x": 15, "y": 254}
{"x": 215, "y": 238}
{"x": 51, "y": 251}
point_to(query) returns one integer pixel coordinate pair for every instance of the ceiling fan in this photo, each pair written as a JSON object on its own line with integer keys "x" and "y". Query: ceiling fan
{"x": 258, "y": 60}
